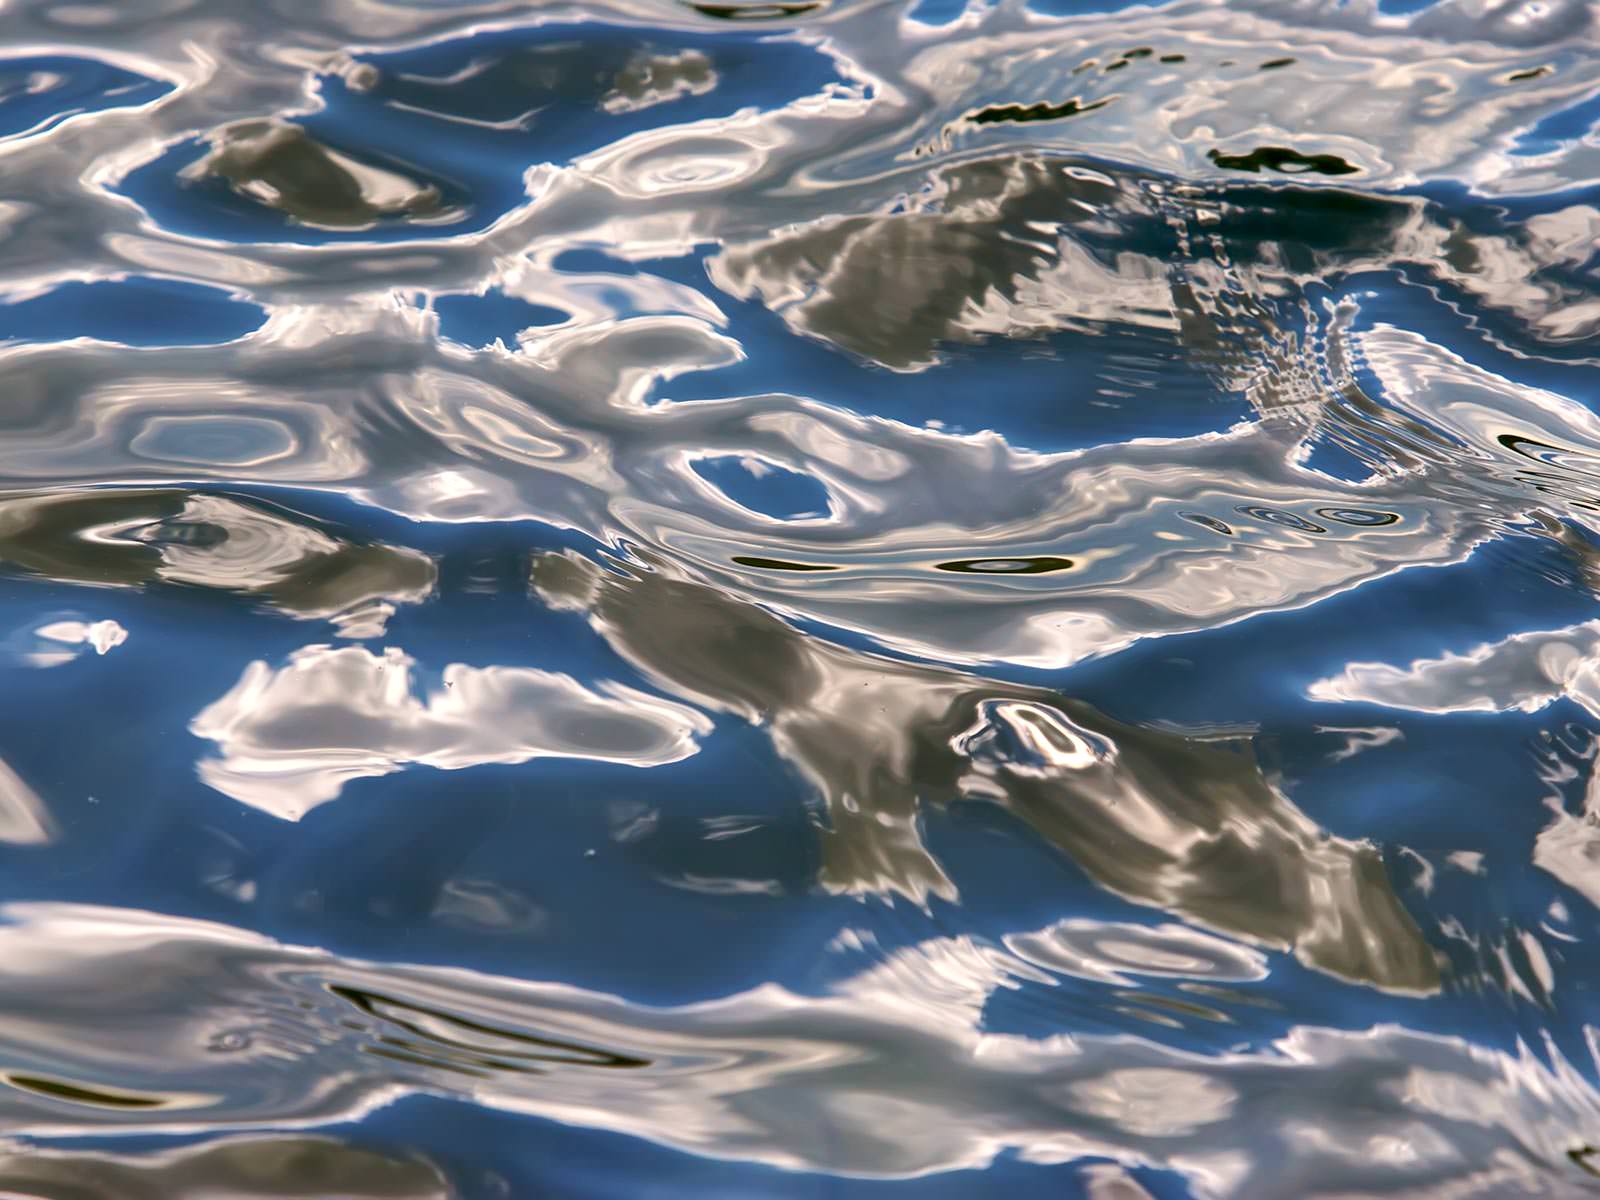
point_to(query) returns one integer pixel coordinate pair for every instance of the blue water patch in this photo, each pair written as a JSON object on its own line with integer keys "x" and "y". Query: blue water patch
{"x": 478, "y": 321}
{"x": 1570, "y": 124}
{"x": 1332, "y": 458}
{"x": 1084, "y": 8}
{"x": 41, "y": 91}
{"x": 764, "y": 487}
{"x": 937, "y": 12}
{"x": 139, "y": 310}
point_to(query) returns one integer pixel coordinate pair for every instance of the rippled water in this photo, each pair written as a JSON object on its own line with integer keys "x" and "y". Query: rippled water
{"x": 801, "y": 598}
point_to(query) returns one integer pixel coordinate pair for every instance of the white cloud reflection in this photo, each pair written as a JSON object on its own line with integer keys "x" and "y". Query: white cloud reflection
{"x": 1525, "y": 671}
{"x": 290, "y": 738}
{"x": 24, "y": 818}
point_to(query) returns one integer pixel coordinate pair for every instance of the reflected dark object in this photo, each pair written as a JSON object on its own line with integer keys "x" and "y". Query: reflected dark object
{"x": 1210, "y": 523}
{"x": 1566, "y": 474}
{"x": 133, "y": 537}
{"x": 1281, "y": 158}
{"x": 893, "y": 287}
{"x": 778, "y": 564}
{"x": 1276, "y": 63}
{"x": 1041, "y": 111}
{"x": 279, "y": 165}
{"x": 247, "y": 1168}
{"x": 557, "y": 92}
{"x": 757, "y": 12}
{"x": 1041, "y": 565}
{"x": 1533, "y": 73}
{"x": 458, "y": 1043}
{"x": 77, "y": 1093}
{"x": 434, "y": 141}
{"x": 1185, "y": 824}
{"x": 1544, "y": 452}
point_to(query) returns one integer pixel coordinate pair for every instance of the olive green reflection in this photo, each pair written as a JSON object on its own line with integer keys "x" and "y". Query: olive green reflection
{"x": 282, "y": 167}
{"x": 257, "y": 1168}
{"x": 78, "y": 1093}
{"x": 1186, "y": 824}
{"x": 134, "y": 537}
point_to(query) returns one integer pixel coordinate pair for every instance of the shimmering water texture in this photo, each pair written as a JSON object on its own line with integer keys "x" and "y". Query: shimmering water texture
{"x": 806, "y": 599}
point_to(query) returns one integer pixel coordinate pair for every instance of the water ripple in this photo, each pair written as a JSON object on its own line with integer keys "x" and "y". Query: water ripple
{"x": 765, "y": 598}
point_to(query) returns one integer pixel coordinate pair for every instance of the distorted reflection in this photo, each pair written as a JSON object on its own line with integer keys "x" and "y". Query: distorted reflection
{"x": 1063, "y": 543}
{"x": 1111, "y": 953}
{"x": 251, "y": 1168}
{"x": 129, "y": 538}
{"x": 24, "y": 819}
{"x": 971, "y": 257}
{"x": 1526, "y": 671}
{"x": 281, "y": 166}
{"x": 1569, "y": 847}
{"x": 838, "y": 1082}
{"x": 291, "y": 738}
{"x": 560, "y": 434}
{"x": 100, "y": 636}
{"x": 1188, "y": 824}
{"x": 1024, "y": 245}
{"x": 654, "y": 79}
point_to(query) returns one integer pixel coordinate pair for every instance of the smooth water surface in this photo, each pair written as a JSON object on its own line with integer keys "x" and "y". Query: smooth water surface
{"x": 817, "y": 598}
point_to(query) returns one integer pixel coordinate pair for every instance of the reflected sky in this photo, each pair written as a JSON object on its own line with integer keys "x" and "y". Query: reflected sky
{"x": 781, "y": 599}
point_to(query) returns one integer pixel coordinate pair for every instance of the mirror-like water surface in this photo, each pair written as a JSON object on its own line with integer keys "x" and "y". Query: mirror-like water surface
{"x": 825, "y": 598}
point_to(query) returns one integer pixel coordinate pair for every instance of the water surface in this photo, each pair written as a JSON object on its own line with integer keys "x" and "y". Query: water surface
{"x": 823, "y": 598}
